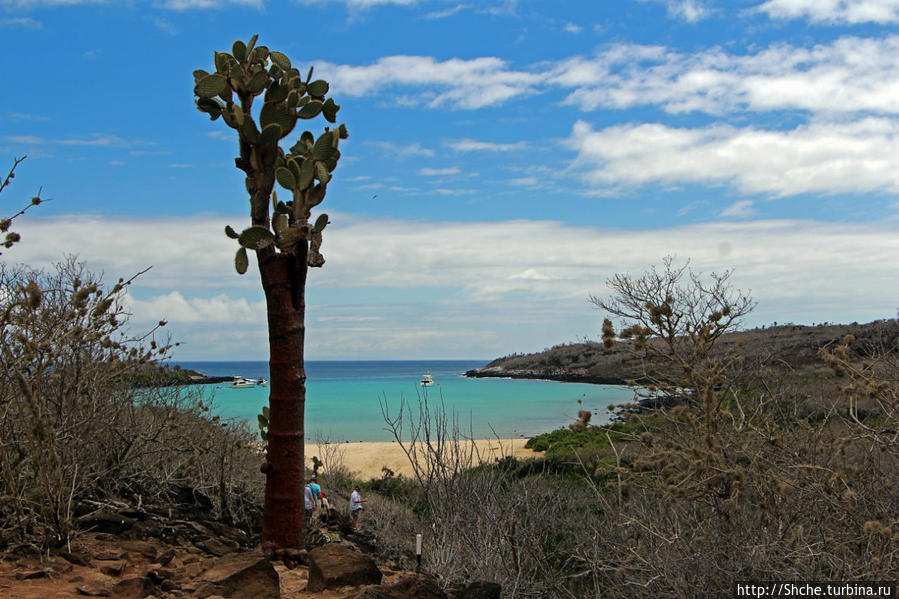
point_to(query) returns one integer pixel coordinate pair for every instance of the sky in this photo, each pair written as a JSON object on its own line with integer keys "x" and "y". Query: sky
{"x": 505, "y": 159}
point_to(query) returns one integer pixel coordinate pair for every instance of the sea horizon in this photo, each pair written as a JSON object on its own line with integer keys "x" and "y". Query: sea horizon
{"x": 346, "y": 399}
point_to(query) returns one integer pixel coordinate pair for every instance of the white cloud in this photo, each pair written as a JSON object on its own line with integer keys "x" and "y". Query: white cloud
{"x": 456, "y": 191}
{"x": 430, "y": 172}
{"x": 572, "y": 28}
{"x": 834, "y": 11}
{"x": 472, "y": 145}
{"x": 822, "y": 157}
{"x": 363, "y": 4}
{"x": 464, "y": 289}
{"x": 850, "y": 74}
{"x": 185, "y": 253}
{"x": 455, "y": 83}
{"x": 691, "y": 11}
{"x": 531, "y": 274}
{"x": 30, "y": 3}
{"x": 209, "y": 4}
{"x": 165, "y": 26}
{"x": 349, "y": 318}
{"x": 448, "y": 12}
{"x": 96, "y": 140}
{"x": 21, "y": 23}
{"x": 24, "y": 116}
{"x": 739, "y": 209}
{"x": 401, "y": 150}
{"x": 166, "y": 4}
{"x": 175, "y": 308}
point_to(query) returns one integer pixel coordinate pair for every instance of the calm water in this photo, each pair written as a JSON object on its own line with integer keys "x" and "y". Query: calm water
{"x": 344, "y": 399}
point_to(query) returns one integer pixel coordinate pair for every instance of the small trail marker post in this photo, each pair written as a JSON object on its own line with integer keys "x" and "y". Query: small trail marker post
{"x": 418, "y": 552}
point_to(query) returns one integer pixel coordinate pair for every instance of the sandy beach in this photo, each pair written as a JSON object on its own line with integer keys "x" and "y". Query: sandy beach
{"x": 366, "y": 459}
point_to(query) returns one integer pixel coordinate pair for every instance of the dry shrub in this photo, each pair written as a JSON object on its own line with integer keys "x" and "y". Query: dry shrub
{"x": 334, "y": 474}
{"x": 73, "y": 427}
{"x": 754, "y": 476}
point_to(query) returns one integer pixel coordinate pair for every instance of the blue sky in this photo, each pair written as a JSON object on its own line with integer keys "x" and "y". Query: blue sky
{"x": 505, "y": 158}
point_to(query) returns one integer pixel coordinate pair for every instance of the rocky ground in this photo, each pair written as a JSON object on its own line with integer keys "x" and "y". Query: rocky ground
{"x": 131, "y": 553}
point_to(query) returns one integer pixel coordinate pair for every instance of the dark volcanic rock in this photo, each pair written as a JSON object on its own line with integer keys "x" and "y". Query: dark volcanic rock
{"x": 241, "y": 576}
{"x": 90, "y": 590}
{"x": 217, "y": 547}
{"x": 408, "y": 587}
{"x": 133, "y": 588}
{"x": 78, "y": 559}
{"x": 334, "y": 565}
{"x": 104, "y": 520}
{"x": 32, "y": 574}
{"x": 480, "y": 590}
{"x": 378, "y": 592}
{"x": 165, "y": 557}
{"x": 145, "y": 549}
{"x": 416, "y": 587}
{"x": 113, "y": 568}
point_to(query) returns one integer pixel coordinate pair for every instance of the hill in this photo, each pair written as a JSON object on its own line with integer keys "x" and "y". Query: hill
{"x": 782, "y": 347}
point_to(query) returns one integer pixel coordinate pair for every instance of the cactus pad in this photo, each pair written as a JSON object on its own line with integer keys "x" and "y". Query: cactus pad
{"x": 210, "y": 86}
{"x": 285, "y": 178}
{"x": 241, "y": 262}
{"x": 255, "y": 238}
{"x": 318, "y": 88}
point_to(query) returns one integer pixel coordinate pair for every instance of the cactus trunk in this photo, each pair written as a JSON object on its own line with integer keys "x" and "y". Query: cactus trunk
{"x": 284, "y": 281}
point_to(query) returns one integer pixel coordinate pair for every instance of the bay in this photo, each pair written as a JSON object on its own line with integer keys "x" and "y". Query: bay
{"x": 345, "y": 400}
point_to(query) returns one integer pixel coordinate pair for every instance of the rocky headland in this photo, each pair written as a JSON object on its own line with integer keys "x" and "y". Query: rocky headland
{"x": 781, "y": 347}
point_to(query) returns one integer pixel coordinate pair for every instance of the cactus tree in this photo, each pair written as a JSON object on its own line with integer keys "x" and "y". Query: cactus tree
{"x": 283, "y": 236}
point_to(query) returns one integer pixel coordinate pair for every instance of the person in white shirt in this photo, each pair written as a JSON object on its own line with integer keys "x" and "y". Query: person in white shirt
{"x": 356, "y": 502}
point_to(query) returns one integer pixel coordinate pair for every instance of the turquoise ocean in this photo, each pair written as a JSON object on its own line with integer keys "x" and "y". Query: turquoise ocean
{"x": 344, "y": 399}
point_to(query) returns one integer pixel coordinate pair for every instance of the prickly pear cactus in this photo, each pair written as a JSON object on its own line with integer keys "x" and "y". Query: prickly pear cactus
{"x": 244, "y": 78}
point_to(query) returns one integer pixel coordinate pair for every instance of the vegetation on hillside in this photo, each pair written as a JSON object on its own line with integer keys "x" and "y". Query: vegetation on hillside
{"x": 779, "y": 347}
{"x": 154, "y": 374}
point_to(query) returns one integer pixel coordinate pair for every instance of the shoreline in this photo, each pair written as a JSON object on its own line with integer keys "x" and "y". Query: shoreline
{"x": 496, "y": 372}
{"x": 367, "y": 458}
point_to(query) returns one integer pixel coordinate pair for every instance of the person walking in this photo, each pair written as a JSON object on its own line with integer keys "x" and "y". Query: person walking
{"x": 311, "y": 497}
{"x": 308, "y": 503}
{"x": 326, "y": 509}
{"x": 356, "y": 507}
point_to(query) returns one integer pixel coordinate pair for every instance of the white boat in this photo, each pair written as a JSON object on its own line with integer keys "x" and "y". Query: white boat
{"x": 427, "y": 380}
{"x": 241, "y": 382}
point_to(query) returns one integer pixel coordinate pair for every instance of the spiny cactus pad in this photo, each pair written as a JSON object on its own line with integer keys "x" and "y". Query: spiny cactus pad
{"x": 320, "y": 223}
{"x": 310, "y": 110}
{"x": 241, "y": 261}
{"x": 285, "y": 178}
{"x": 255, "y": 238}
